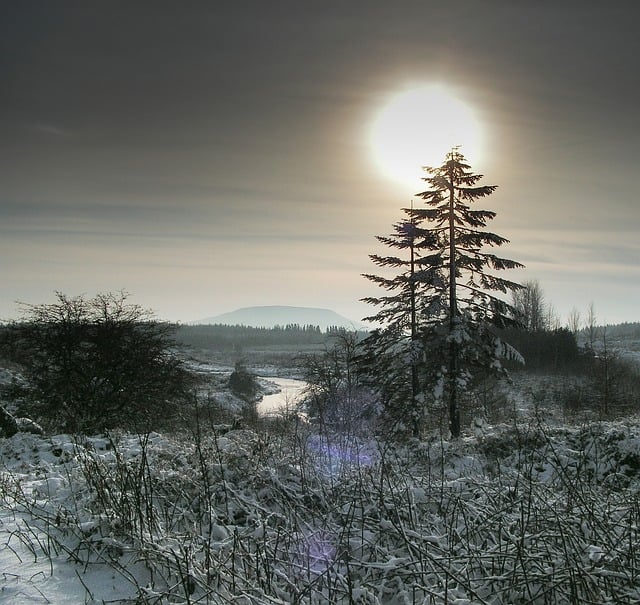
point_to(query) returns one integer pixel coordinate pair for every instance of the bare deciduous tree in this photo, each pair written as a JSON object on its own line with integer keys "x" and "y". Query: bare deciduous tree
{"x": 592, "y": 326}
{"x": 574, "y": 321}
{"x": 530, "y": 306}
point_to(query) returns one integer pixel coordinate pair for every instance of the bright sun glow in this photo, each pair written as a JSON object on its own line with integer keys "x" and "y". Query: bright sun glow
{"x": 417, "y": 127}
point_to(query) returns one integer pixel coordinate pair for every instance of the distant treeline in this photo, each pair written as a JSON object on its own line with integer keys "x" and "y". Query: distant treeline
{"x": 559, "y": 350}
{"x": 549, "y": 350}
{"x": 625, "y": 330}
{"x": 223, "y": 337}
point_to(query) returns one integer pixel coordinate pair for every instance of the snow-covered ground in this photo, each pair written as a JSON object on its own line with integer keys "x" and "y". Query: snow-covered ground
{"x": 41, "y": 560}
{"x": 35, "y": 571}
{"x": 523, "y": 514}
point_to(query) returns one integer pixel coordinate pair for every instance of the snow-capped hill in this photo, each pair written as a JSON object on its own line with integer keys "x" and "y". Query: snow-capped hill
{"x": 271, "y": 316}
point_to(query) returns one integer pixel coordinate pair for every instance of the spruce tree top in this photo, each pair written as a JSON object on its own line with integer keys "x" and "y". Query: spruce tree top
{"x": 460, "y": 240}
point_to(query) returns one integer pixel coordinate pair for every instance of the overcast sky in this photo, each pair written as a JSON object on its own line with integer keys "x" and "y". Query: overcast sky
{"x": 211, "y": 155}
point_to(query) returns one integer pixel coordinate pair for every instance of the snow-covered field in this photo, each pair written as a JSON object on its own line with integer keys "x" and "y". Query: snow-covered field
{"x": 522, "y": 514}
{"x": 42, "y": 548}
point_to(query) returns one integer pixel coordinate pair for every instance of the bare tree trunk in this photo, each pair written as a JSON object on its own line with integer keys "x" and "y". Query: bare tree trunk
{"x": 414, "y": 335}
{"x": 592, "y": 328}
{"x": 454, "y": 412}
{"x": 606, "y": 396}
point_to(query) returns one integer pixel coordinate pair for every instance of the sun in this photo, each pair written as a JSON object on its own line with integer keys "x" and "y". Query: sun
{"x": 417, "y": 127}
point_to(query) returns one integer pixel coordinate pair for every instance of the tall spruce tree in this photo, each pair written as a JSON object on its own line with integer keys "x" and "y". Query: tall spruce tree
{"x": 393, "y": 353}
{"x": 445, "y": 300}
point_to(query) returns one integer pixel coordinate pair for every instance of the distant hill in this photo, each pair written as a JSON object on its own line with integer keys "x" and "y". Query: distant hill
{"x": 269, "y": 317}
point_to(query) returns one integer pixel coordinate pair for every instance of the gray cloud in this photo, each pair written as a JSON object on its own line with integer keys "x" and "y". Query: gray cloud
{"x": 235, "y": 130}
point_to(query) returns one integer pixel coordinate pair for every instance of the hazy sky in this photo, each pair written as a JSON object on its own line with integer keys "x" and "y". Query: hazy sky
{"x": 209, "y": 155}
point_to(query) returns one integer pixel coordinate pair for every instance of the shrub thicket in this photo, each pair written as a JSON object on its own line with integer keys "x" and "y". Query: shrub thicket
{"x": 93, "y": 364}
{"x": 243, "y": 383}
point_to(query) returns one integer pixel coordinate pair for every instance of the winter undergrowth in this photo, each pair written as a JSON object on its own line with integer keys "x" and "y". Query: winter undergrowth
{"x": 522, "y": 515}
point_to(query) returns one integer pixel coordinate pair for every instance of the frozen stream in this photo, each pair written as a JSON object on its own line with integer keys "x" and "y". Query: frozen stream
{"x": 290, "y": 390}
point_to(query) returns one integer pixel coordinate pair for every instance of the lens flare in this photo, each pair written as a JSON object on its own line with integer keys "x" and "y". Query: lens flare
{"x": 338, "y": 454}
{"x": 313, "y": 553}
